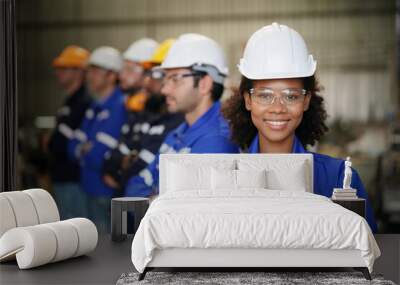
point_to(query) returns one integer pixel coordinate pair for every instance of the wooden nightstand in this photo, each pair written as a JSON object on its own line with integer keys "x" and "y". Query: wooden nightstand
{"x": 356, "y": 205}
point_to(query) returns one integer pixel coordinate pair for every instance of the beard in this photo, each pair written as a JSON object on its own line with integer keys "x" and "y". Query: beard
{"x": 130, "y": 91}
{"x": 155, "y": 103}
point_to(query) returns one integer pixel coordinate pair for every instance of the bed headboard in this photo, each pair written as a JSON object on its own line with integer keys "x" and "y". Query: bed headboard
{"x": 269, "y": 161}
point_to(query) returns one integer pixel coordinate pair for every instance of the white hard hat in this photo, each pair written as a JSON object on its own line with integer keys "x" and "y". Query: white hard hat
{"x": 141, "y": 50}
{"x": 106, "y": 57}
{"x": 199, "y": 53}
{"x": 276, "y": 51}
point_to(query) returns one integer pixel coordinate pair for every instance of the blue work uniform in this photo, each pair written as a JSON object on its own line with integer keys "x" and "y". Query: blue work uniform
{"x": 140, "y": 139}
{"x": 329, "y": 174}
{"x": 101, "y": 127}
{"x": 65, "y": 172}
{"x": 209, "y": 134}
{"x": 69, "y": 117}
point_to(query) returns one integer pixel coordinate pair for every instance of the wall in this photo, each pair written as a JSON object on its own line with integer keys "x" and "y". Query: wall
{"x": 353, "y": 42}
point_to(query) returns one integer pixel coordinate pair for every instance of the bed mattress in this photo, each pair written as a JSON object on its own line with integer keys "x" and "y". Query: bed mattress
{"x": 250, "y": 219}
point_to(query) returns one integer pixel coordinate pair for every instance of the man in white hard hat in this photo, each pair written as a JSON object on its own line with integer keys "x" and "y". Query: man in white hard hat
{"x": 133, "y": 71}
{"x": 143, "y": 133}
{"x": 195, "y": 69}
{"x": 99, "y": 131}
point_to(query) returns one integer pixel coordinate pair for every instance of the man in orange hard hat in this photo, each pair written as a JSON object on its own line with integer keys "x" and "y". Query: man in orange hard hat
{"x": 70, "y": 71}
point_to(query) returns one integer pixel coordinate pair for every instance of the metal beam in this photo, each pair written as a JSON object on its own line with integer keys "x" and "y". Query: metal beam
{"x": 8, "y": 96}
{"x": 182, "y": 19}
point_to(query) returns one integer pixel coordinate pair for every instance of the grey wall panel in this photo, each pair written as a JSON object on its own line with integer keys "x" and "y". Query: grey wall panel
{"x": 353, "y": 41}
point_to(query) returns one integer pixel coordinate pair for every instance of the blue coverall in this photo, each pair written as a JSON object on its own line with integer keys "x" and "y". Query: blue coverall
{"x": 329, "y": 174}
{"x": 209, "y": 134}
{"x": 101, "y": 127}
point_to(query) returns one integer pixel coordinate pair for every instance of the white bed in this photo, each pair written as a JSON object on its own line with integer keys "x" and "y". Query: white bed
{"x": 220, "y": 210}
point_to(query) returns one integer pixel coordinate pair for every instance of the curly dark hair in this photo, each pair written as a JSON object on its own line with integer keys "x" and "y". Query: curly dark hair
{"x": 310, "y": 130}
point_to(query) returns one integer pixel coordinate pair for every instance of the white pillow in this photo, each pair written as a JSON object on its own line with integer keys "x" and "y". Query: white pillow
{"x": 223, "y": 179}
{"x": 182, "y": 177}
{"x": 281, "y": 174}
{"x": 251, "y": 178}
{"x": 235, "y": 179}
{"x": 186, "y": 174}
{"x": 276, "y": 181}
{"x": 290, "y": 179}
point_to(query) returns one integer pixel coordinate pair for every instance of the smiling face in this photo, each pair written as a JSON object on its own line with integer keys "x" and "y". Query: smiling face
{"x": 276, "y": 123}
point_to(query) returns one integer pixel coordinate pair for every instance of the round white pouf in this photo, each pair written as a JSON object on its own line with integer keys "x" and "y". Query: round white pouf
{"x": 87, "y": 233}
{"x": 33, "y": 246}
{"x": 40, "y": 244}
{"x": 67, "y": 240}
{"x": 7, "y": 218}
{"x": 23, "y": 208}
{"x": 45, "y": 205}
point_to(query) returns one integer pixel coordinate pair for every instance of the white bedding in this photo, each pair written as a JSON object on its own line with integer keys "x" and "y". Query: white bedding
{"x": 251, "y": 218}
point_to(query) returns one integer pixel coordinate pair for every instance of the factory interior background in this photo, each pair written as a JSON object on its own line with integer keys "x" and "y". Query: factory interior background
{"x": 356, "y": 45}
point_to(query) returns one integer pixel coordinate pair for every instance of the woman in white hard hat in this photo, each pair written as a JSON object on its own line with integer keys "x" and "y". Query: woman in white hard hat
{"x": 277, "y": 108}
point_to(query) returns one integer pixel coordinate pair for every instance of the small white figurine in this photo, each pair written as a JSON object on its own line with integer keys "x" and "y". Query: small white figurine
{"x": 347, "y": 174}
